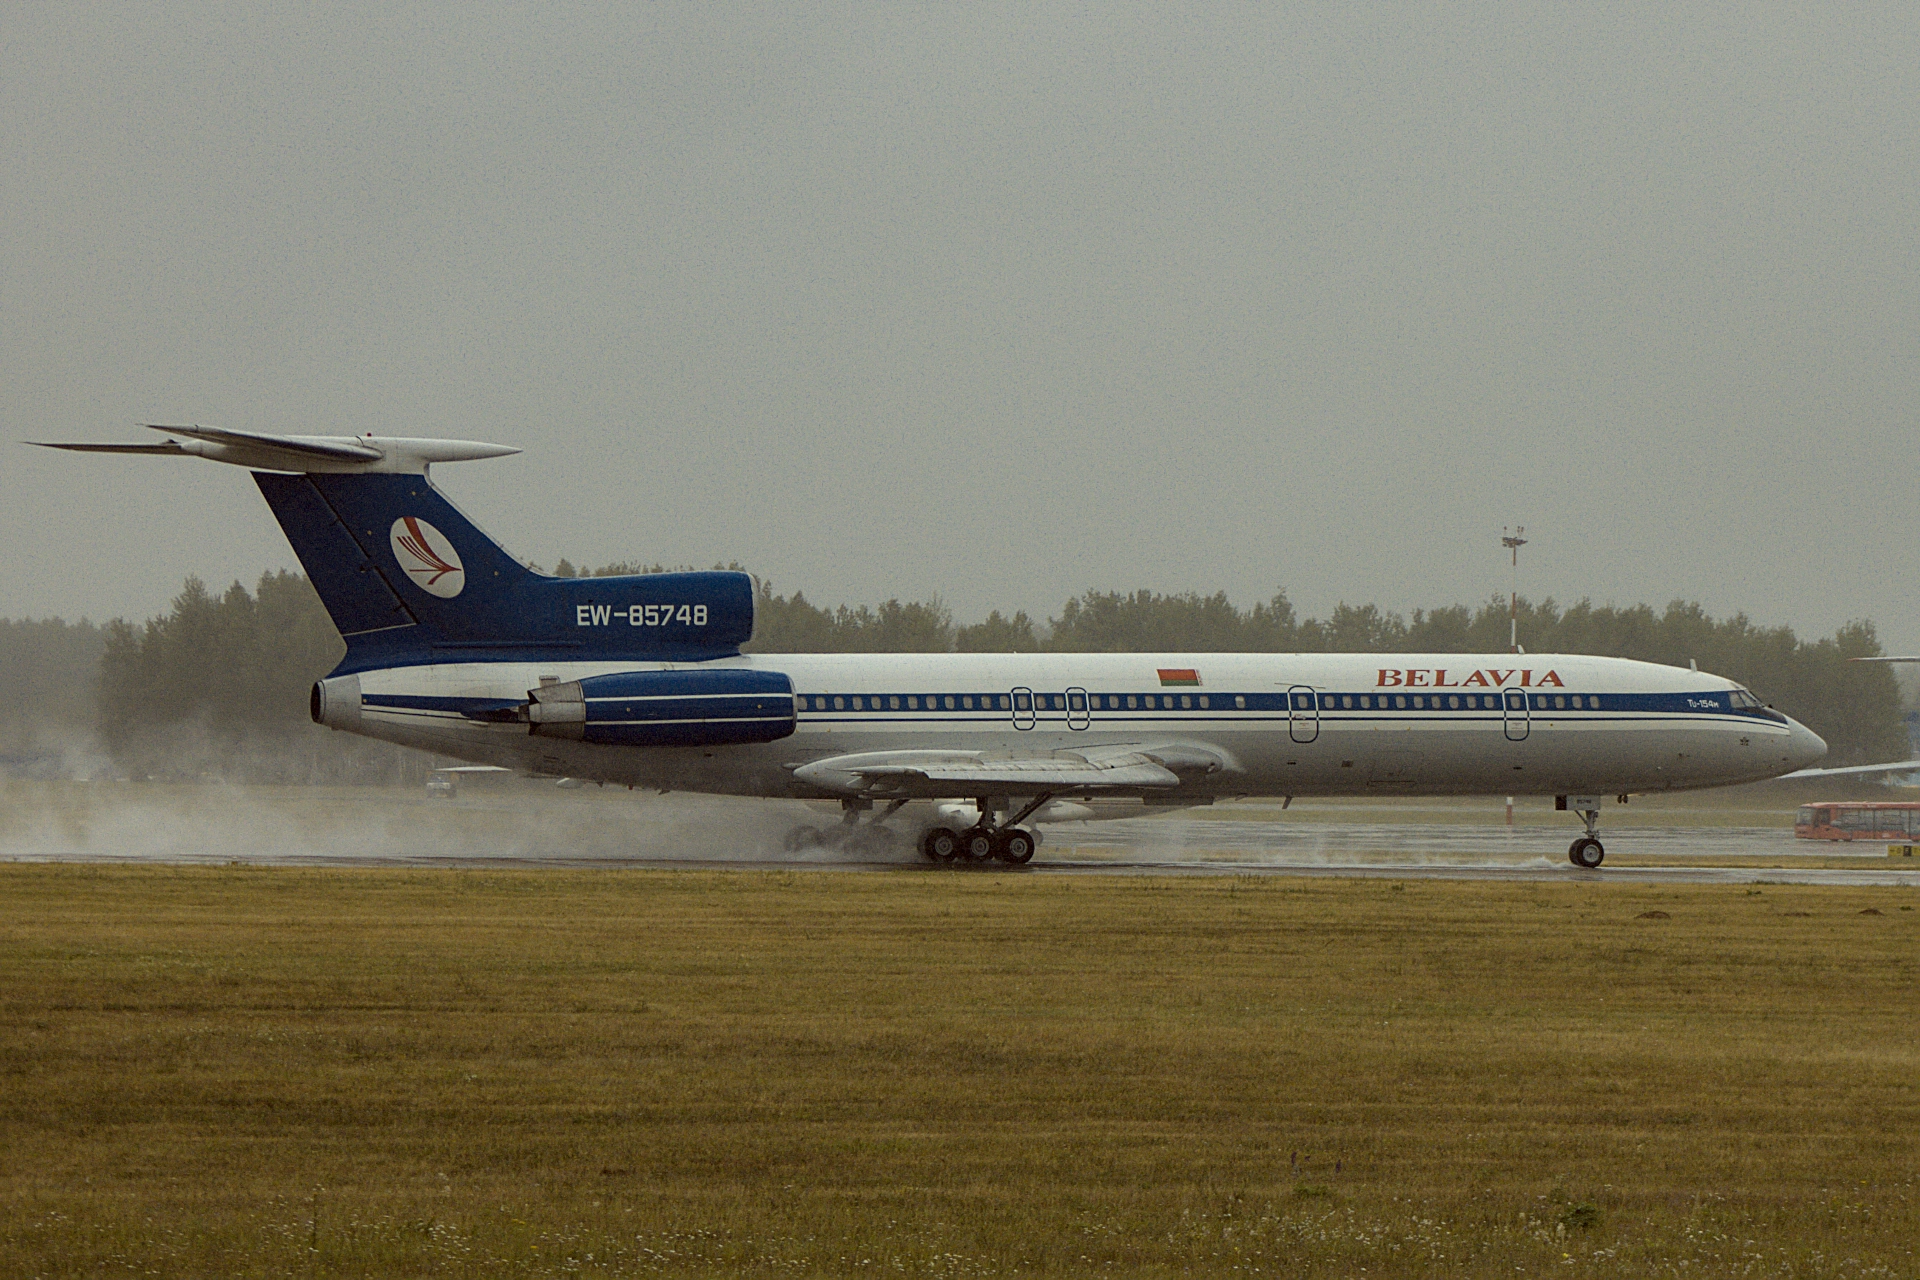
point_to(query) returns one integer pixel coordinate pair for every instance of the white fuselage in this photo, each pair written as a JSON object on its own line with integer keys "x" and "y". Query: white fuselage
{"x": 1282, "y": 724}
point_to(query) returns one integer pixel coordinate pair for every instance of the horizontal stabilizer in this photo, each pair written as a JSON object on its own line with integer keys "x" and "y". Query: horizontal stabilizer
{"x": 170, "y": 447}
{"x": 308, "y": 454}
{"x": 335, "y": 448}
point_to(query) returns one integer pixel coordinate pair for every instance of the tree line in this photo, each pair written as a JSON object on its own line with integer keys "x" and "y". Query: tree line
{"x": 1856, "y": 707}
{"x": 219, "y": 683}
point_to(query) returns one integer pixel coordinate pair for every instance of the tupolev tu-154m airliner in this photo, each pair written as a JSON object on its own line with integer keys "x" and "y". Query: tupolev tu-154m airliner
{"x": 454, "y": 646}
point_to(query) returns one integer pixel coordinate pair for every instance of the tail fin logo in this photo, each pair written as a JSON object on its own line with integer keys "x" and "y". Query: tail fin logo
{"x": 429, "y": 559}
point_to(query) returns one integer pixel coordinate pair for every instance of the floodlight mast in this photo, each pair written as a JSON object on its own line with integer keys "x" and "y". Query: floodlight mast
{"x": 1512, "y": 541}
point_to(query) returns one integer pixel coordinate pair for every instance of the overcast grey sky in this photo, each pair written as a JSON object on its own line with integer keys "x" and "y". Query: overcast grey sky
{"x": 1003, "y": 303}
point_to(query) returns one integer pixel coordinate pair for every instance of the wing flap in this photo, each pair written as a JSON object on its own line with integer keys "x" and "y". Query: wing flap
{"x": 939, "y": 773}
{"x": 1896, "y": 766}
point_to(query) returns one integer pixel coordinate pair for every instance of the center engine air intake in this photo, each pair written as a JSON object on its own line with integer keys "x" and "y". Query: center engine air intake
{"x": 666, "y": 708}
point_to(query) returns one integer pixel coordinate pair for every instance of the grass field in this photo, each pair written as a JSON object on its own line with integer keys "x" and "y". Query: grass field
{"x": 321, "y": 1072}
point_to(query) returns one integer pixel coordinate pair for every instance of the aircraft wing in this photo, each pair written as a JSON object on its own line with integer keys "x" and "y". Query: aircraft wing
{"x": 1122, "y": 768}
{"x": 1897, "y": 766}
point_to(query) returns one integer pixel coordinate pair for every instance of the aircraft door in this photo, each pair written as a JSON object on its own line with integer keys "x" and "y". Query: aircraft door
{"x": 1303, "y": 713}
{"x": 1517, "y": 719}
{"x": 1078, "y": 717}
{"x": 1023, "y": 708}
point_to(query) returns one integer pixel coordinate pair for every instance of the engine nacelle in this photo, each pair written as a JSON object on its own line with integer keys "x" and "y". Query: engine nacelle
{"x": 335, "y": 702}
{"x": 685, "y": 708}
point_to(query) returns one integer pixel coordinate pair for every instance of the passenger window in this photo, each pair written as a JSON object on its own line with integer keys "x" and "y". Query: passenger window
{"x": 949, "y": 702}
{"x": 1239, "y": 702}
{"x": 1366, "y": 703}
{"x": 1203, "y": 702}
{"x": 1559, "y": 703}
{"x": 913, "y": 702}
{"x": 966, "y": 703}
{"x": 893, "y": 703}
{"x": 1186, "y": 702}
{"x": 839, "y": 703}
{"x": 1453, "y": 702}
{"x": 1399, "y": 702}
{"x": 1132, "y": 703}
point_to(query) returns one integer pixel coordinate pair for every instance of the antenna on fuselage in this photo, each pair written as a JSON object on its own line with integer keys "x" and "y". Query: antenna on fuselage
{"x": 1512, "y": 541}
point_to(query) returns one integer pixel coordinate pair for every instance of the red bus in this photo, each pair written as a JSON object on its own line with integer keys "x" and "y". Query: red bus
{"x": 1858, "y": 820}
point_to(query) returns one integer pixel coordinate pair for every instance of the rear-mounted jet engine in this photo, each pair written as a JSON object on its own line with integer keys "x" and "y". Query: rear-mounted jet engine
{"x": 665, "y": 708}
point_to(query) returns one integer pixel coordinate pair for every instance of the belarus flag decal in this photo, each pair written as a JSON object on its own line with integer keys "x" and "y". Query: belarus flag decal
{"x": 1179, "y": 676}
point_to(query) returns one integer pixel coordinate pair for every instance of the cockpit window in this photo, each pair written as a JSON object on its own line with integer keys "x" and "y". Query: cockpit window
{"x": 1745, "y": 701}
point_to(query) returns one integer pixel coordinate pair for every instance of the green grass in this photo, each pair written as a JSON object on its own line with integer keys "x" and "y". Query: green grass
{"x": 291, "y": 1072}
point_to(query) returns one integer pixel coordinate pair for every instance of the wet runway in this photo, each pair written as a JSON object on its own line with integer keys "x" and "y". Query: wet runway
{"x": 525, "y": 830}
{"x": 1455, "y": 851}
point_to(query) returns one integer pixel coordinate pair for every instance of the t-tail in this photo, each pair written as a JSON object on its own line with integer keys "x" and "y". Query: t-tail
{"x": 408, "y": 579}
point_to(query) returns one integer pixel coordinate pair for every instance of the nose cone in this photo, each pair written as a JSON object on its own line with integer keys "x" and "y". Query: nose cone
{"x": 1805, "y": 748}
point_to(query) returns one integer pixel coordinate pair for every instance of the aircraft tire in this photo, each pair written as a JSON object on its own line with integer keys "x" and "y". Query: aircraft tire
{"x": 977, "y": 844}
{"x": 940, "y": 844}
{"x": 1586, "y": 852}
{"x": 1015, "y": 847}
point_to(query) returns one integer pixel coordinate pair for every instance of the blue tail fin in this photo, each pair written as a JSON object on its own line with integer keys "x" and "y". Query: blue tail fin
{"x": 408, "y": 579}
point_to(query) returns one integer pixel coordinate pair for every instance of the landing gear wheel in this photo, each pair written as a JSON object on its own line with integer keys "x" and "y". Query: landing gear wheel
{"x": 1586, "y": 852}
{"x": 977, "y": 844}
{"x": 1016, "y": 847}
{"x": 940, "y": 844}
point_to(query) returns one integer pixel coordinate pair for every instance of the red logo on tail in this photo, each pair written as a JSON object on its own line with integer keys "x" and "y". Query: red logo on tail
{"x": 428, "y": 557}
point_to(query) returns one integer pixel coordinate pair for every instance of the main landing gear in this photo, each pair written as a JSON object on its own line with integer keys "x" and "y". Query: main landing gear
{"x": 984, "y": 841}
{"x": 852, "y": 836}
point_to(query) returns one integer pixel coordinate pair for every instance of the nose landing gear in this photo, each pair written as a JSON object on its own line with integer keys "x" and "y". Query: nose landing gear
{"x": 1586, "y": 851}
